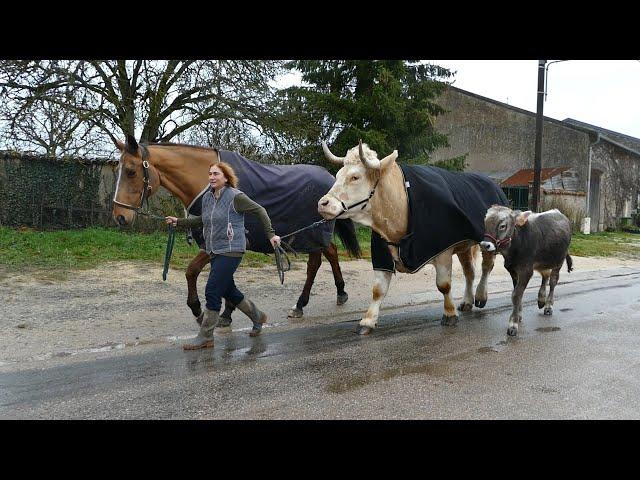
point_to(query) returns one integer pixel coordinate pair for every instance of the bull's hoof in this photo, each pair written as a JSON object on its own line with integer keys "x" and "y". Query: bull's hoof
{"x": 363, "y": 330}
{"x": 512, "y": 331}
{"x": 295, "y": 312}
{"x": 541, "y": 303}
{"x": 465, "y": 307}
{"x": 342, "y": 299}
{"x": 199, "y": 318}
{"x": 449, "y": 321}
{"x": 548, "y": 311}
{"x": 480, "y": 303}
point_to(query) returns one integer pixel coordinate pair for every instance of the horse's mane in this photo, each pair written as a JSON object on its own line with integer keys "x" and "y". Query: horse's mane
{"x": 171, "y": 144}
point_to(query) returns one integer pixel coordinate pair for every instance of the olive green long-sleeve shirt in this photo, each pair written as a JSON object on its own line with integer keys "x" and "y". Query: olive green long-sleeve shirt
{"x": 242, "y": 204}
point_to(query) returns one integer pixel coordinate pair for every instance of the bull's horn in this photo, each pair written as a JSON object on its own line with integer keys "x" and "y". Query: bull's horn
{"x": 368, "y": 163}
{"x": 330, "y": 156}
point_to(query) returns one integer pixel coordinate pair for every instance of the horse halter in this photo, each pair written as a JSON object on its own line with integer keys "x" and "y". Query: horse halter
{"x": 498, "y": 243}
{"x": 146, "y": 189}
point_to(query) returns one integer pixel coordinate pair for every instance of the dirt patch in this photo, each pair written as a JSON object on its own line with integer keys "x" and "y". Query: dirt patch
{"x": 48, "y": 315}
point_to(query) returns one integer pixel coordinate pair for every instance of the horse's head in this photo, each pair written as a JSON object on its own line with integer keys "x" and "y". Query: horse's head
{"x": 137, "y": 180}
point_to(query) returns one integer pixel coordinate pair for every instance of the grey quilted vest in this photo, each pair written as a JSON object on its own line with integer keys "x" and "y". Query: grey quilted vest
{"x": 223, "y": 227}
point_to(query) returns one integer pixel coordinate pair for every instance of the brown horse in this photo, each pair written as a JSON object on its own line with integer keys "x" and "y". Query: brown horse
{"x": 182, "y": 170}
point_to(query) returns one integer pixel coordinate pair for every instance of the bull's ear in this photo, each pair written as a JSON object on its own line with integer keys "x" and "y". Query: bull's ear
{"x": 522, "y": 218}
{"x": 389, "y": 160}
{"x": 119, "y": 145}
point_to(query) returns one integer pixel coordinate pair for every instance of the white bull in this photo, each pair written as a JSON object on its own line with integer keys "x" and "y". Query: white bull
{"x": 375, "y": 190}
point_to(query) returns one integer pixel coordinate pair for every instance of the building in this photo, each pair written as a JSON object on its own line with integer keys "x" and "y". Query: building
{"x": 600, "y": 169}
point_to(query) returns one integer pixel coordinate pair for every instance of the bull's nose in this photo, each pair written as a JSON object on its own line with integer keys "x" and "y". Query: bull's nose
{"x": 323, "y": 203}
{"x": 487, "y": 246}
{"x": 121, "y": 220}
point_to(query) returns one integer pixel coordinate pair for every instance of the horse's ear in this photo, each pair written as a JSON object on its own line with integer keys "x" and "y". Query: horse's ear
{"x": 131, "y": 145}
{"x": 119, "y": 145}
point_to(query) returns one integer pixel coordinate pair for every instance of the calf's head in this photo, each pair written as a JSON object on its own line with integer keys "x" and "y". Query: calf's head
{"x": 360, "y": 172}
{"x": 499, "y": 225}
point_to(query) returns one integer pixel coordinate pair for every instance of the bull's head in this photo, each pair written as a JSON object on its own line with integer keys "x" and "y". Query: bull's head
{"x": 499, "y": 225}
{"x": 130, "y": 186}
{"x": 360, "y": 171}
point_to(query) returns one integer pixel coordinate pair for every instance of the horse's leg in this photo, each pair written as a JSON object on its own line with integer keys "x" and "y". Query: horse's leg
{"x": 331, "y": 254}
{"x": 467, "y": 258}
{"x": 193, "y": 270}
{"x": 313, "y": 264}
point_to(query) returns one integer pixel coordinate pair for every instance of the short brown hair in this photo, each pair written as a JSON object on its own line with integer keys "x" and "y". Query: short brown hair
{"x": 228, "y": 173}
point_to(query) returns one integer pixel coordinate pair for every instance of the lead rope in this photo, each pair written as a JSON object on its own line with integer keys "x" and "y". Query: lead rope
{"x": 167, "y": 254}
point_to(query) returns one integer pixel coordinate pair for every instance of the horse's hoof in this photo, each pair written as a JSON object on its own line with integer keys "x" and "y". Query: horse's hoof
{"x": 541, "y": 303}
{"x": 199, "y": 318}
{"x": 512, "y": 331}
{"x": 480, "y": 303}
{"x": 224, "y": 322}
{"x": 363, "y": 330}
{"x": 465, "y": 307}
{"x": 295, "y": 312}
{"x": 548, "y": 311}
{"x": 342, "y": 299}
{"x": 449, "y": 321}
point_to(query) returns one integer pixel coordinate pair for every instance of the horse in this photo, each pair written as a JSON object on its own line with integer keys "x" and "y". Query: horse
{"x": 182, "y": 170}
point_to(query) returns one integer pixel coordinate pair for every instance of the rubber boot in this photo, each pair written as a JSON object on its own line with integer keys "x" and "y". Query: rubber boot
{"x": 257, "y": 316}
{"x": 205, "y": 335}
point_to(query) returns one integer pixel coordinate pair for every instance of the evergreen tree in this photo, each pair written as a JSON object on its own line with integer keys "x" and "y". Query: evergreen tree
{"x": 389, "y": 104}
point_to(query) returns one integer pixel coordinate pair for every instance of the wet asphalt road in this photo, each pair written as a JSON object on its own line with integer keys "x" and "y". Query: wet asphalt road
{"x": 581, "y": 363}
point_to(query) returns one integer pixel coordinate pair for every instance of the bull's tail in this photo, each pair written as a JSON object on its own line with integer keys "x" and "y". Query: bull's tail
{"x": 346, "y": 231}
{"x": 569, "y": 262}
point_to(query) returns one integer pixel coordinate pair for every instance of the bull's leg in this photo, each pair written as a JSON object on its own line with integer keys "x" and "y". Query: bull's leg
{"x": 488, "y": 260}
{"x": 466, "y": 260}
{"x": 193, "y": 270}
{"x": 516, "y": 297}
{"x": 331, "y": 254}
{"x": 313, "y": 264}
{"x": 443, "y": 264}
{"x": 542, "y": 293}
{"x": 380, "y": 289}
{"x": 553, "y": 281}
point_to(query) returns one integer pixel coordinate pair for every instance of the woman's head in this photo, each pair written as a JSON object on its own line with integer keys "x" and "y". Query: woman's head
{"x": 221, "y": 174}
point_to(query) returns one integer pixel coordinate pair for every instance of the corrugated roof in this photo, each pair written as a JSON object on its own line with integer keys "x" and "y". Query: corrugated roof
{"x": 523, "y": 177}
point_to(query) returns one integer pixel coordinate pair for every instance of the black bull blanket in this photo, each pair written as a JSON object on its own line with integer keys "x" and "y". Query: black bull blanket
{"x": 289, "y": 194}
{"x": 445, "y": 208}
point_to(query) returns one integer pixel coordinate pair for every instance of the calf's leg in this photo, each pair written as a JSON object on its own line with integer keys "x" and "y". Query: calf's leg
{"x": 516, "y": 297}
{"x": 553, "y": 281}
{"x": 380, "y": 289}
{"x": 542, "y": 293}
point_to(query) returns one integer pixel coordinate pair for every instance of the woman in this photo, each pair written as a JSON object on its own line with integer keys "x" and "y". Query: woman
{"x": 222, "y": 219}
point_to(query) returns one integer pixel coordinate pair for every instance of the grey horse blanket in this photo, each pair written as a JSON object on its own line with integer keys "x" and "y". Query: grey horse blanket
{"x": 445, "y": 208}
{"x": 289, "y": 194}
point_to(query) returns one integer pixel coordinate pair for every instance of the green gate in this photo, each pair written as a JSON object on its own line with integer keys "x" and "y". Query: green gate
{"x": 518, "y": 197}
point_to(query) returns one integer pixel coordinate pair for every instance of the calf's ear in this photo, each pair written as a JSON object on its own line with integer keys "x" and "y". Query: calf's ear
{"x": 522, "y": 218}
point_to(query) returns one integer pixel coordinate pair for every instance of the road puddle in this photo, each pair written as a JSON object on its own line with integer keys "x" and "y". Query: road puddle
{"x": 547, "y": 329}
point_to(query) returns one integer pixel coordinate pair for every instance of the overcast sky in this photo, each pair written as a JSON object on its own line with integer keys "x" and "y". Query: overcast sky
{"x": 605, "y": 93}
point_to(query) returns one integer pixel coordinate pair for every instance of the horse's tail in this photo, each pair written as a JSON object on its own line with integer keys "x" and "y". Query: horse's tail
{"x": 346, "y": 231}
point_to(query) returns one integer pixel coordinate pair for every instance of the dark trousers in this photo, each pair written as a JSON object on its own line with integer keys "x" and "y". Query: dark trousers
{"x": 220, "y": 283}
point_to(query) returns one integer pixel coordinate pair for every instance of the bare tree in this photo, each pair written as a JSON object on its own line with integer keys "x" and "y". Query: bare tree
{"x": 163, "y": 100}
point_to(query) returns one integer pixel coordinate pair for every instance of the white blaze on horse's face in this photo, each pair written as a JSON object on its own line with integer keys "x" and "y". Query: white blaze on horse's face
{"x": 354, "y": 183}
{"x": 129, "y": 184}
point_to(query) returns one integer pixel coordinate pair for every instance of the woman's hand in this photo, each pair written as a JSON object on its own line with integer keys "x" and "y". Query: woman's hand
{"x": 172, "y": 220}
{"x": 275, "y": 240}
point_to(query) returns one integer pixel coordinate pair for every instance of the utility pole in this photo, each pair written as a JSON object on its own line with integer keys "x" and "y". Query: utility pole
{"x": 537, "y": 166}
